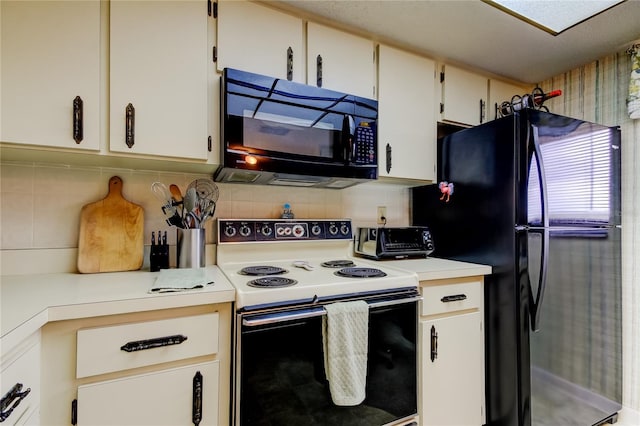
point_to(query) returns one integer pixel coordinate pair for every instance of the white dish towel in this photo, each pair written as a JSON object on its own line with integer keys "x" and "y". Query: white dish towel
{"x": 345, "y": 339}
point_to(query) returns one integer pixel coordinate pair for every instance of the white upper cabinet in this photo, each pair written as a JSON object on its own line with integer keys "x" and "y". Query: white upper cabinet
{"x": 158, "y": 78}
{"x": 464, "y": 96}
{"x": 499, "y": 92}
{"x": 50, "y": 73}
{"x": 340, "y": 61}
{"x": 406, "y": 116}
{"x": 256, "y": 38}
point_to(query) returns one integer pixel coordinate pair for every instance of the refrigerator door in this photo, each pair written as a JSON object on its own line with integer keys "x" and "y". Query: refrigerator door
{"x": 580, "y": 163}
{"x": 576, "y": 356}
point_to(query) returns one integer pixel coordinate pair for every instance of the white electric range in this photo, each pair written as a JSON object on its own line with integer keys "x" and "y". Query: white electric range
{"x": 286, "y": 274}
{"x": 284, "y": 261}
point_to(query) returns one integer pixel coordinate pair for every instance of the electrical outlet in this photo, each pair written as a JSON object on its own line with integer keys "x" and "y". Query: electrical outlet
{"x": 382, "y": 215}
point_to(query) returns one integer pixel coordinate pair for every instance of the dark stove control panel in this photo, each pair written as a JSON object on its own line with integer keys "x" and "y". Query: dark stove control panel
{"x": 270, "y": 230}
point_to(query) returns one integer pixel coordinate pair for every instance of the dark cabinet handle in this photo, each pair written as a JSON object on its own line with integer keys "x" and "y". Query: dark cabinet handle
{"x": 196, "y": 410}
{"x": 130, "y": 125}
{"x": 78, "y": 121}
{"x": 434, "y": 343}
{"x": 388, "y": 167}
{"x": 141, "y": 345}
{"x": 289, "y": 63}
{"x": 11, "y": 400}
{"x": 319, "y": 71}
{"x": 453, "y": 298}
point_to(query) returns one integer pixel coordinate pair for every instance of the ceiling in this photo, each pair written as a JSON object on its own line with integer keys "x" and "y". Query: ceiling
{"x": 477, "y": 35}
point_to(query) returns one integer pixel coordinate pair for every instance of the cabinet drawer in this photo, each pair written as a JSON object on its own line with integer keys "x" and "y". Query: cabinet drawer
{"x": 119, "y": 347}
{"x": 21, "y": 374}
{"x": 444, "y": 298}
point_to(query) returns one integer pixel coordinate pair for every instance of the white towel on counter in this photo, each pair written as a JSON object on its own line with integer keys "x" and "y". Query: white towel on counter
{"x": 180, "y": 279}
{"x": 345, "y": 338}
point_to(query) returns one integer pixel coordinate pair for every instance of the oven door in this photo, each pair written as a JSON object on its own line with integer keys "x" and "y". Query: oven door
{"x": 280, "y": 374}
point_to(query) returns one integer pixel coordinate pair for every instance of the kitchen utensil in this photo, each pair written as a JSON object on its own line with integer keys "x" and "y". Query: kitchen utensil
{"x": 190, "y": 200}
{"x": 176, "y": 194}
{"x": 206, "y": 188}
{"x": 303, "y": 264}
{"x": 111, "y": 233}
{"x": 161, "y": 192}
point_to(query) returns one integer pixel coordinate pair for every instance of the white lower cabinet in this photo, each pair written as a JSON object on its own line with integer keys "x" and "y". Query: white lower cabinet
{"x": 170, "y": 397}
{"x": 20, "y": 382}
{"x": 452, "y": 357}
{"x": 164, "y": 367}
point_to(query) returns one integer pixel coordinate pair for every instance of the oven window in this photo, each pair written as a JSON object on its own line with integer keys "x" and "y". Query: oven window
{"x": 283, "y": 380}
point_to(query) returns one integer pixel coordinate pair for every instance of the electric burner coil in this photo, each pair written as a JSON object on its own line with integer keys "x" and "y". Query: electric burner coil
{"x": 360, "y": 272}
{"x": 338, "y": 263}
{"x": 263, "y": 270}
{"x": 272, "y": 282}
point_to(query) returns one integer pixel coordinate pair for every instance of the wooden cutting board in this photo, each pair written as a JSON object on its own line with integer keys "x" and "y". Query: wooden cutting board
{"x": 111, "y": 233}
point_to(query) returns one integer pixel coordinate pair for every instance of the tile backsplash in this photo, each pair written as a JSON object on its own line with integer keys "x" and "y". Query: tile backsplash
{"x": 40, "y": 204}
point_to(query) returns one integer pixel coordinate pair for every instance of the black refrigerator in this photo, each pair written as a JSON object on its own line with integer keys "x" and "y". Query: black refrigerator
{"x": 537, "y": 196}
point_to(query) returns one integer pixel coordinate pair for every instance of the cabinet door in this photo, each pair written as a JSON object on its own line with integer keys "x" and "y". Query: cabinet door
{"x": 499, "y": 92}
{"x": 50, "y": 55}
{"x": 452, "y": 383}
{"x": 347, "y": 61}
{"x": 256, "y": 38}
{"x": 158, "y": 57}
{"x": 406, "y": 117}
{"x": 464, "y": 96}
{"x": 161, "y": 398}
{"x": 20, "y": 384}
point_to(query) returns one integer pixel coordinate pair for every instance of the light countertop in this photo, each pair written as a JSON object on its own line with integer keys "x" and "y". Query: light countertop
{"x": 433, "y": 268}
{"x": 27, "y": 302}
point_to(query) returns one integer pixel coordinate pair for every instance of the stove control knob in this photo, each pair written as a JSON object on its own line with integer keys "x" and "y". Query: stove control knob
{"x": 344, "y": 229}
{"x": 333, "y": 229}
{"x": 245, "y": 231}
{"x": 229, "y": 231}
{"x": 266, "y": 230}
{"x": 298, "y": 231}
{"x": 316, "y": 230}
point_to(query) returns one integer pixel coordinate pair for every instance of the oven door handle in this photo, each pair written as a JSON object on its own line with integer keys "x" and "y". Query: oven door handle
{"x": 315, "y": 311}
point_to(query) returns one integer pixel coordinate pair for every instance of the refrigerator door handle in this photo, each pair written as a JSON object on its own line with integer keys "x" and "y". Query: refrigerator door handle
{"x": 536, "y": 303}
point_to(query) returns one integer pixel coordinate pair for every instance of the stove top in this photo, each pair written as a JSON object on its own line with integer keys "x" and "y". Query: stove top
{"x": 300, "y": 267}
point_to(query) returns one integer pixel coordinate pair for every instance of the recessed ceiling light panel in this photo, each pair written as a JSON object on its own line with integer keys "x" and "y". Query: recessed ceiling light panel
{"x": 553, "y": 16}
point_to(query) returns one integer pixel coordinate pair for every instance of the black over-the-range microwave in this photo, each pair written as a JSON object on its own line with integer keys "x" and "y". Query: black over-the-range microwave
{"x": 278, "y": 132}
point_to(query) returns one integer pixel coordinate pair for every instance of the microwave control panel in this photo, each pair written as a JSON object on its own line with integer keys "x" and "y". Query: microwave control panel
{"x": 364, "y": 145}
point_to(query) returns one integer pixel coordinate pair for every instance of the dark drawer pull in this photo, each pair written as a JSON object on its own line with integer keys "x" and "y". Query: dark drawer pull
{"x": 78, "y": 121}
{"x": 11, "y": 400}
{"x": 130, "y": 125}
{"x": 142, "y": 345}
{"x": 196, "y": 409}
{"x": 454, "y": 298}
{"x": 434, "y": 343}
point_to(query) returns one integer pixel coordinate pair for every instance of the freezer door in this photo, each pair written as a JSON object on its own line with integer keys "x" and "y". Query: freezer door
{"x": 574, "y": 172}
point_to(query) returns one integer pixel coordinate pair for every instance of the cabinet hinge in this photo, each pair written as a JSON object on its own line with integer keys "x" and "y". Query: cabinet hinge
{"x": 441, "y": 107}
{"x": 214, "y": 54}
{"x": 441, "y": 77}
{"x": 209, "y": 144}
{"x": 74, "y": 412}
